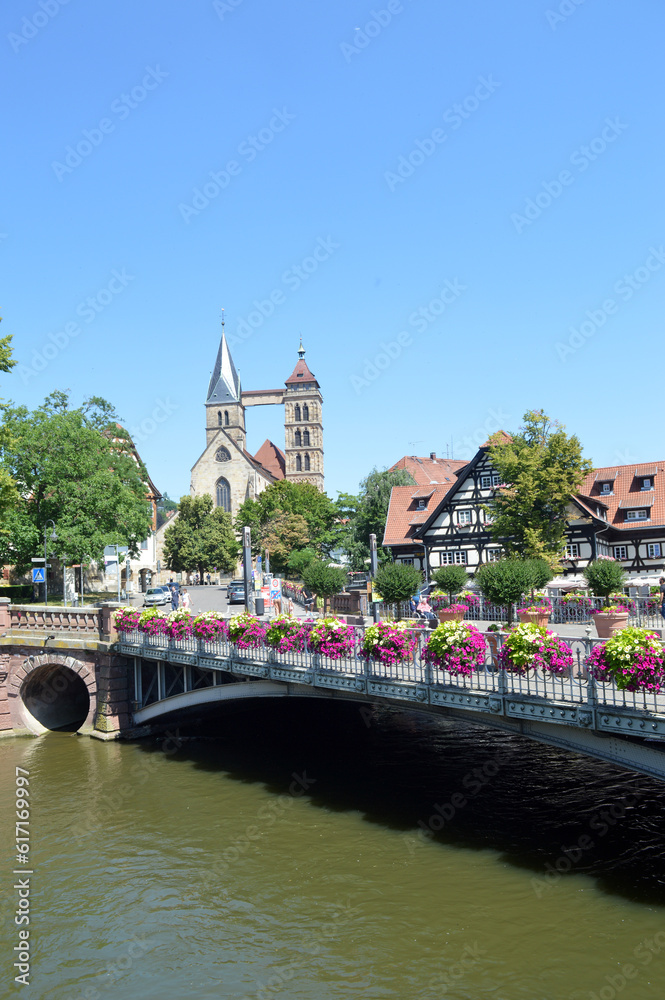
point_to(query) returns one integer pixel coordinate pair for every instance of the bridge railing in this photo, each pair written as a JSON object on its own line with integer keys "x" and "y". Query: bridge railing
{"x": 576, "y": 688}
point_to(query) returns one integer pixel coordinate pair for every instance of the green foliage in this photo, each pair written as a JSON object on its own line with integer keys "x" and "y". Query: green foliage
{"x": 283, "y": 535}
{"x": 284, "y": 497}
{"x": 366, "y": 514}
{"x": 541, "y": 573}
{"x": 604, "y": 576}
{"x": 201, "y": 538}
{"x": 324, "y": 580}
{"x": 164, "y": 507}
{"x": 397, "y": 582}
{"x": 299, "y": 561}
{"x": 541, "y": 468}
{"x": 66, "y": 468}
{"x": 451, "y": 579}
{"x": 504, "y": 582}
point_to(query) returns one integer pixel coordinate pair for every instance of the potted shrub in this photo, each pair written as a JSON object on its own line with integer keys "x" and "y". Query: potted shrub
{"x": 633, "y": 659}
{"x": 324, "y": 580}
{"x": 388, "y": 642}
{"x": 537, "y": 613}
{"x": 457, "y": 647}
{"x": 504, "y": 582}
{"x": 605, "y": 576}
{"x": 530, "y": 647}
{"x": 286, "y": 635}
{"x": 245, "y": 631}
{"x": 451, "y": 580}
{"x": 332, "y": 637}
{"x": 397, "y": 582}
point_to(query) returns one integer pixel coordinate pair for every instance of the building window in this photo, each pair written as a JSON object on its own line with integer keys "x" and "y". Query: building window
{"x": 226, "y": 418}
{"x": 305, "y": 439}
{"x": 223, "y": 495}
{"x": 464, "y": 517}
{"x": 453, "y": 558}
{"x": 298, "y": 463}
{"x": 654, "y": 550}
{"x": 422, "y": 505}
{"x": 636, "y": 515}
{"x": 144, "y": 545}
{"x": 298, "y": 439}
{"x": 573, "y": 551}
{"x": 222, "y": 455}
{"x": 621, "y": 552}
{"x": 493, "y": 555}
{"x": 297, "y": 413}
{"x": 487, "y": 517}
{"x": 306, "y": 463}
{"x": 606, "y": 489}
{"x": 407, "y": 562}
{"x": 305, "y": 412}
{"x": 219, "y": 417}
{"x": 487, "y": 482}
{"x": 646, "y": 484}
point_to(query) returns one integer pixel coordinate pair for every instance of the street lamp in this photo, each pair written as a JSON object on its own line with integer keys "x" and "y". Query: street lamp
{"x": 53, "y": 538}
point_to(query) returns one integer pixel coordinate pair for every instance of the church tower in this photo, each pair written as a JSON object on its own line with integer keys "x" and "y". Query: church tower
{"x": 303, "y": 425}
{"x": 224, "y": 404}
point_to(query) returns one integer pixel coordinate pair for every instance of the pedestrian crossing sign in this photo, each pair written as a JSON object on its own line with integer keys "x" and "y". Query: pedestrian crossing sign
{"x": 38, "y": 574}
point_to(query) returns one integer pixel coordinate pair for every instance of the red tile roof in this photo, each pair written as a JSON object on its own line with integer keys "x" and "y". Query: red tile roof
{"x": 300, "y": 374}
{"x": 404, "y": 516}
{"x": 271, "y": 458}
{"x": 430, "y": 471}
{"x": 627, "y": 492}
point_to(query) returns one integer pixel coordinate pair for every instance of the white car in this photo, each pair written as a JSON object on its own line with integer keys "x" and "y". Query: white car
{"x": 155, "y": 596}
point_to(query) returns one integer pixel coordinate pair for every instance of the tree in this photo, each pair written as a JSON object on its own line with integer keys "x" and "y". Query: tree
{"x": 324, "y": 580}
{"x": 397, "y": 582}
{"x": 505, "y": 581}
{"x": 300, "y": 560}
{"x": 604, "y": 576}
{"x": 286, "y": 497}
{"x": 451, "y": 579}
{"x": 367, "y": 514}
{"x": 67, "y": 469}
{"x": 541, "y": 467}
{"x": 201, "y": 538}
{"x": 283, "y": 535}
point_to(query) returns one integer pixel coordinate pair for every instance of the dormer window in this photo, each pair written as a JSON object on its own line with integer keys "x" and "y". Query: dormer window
{"x": 422, "y": 505}
{"x": 647, "y": 484}
{"x": 637, "y": 515}
{"x": 606, "y": 489}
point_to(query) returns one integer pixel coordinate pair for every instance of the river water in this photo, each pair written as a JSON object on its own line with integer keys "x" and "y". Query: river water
{"x": 320, "y": 851}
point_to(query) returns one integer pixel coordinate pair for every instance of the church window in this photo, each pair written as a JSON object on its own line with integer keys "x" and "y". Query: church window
{"x": 224, "y": 495}
{"x": 305, "y": 439}
{"x": 298, "y": 418}
{"x": 306, "y": 463}
{"x": 226, "y": 418}
{"x": 219, "y": 417}
{"x": 223, "y": 455}
{"x": 298, "y": 437}
{"x": 305, "y": 412}
{"x": 298, "y": 463}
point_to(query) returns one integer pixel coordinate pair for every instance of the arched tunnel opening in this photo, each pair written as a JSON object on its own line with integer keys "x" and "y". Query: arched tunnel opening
{"x": 56, "y": 697}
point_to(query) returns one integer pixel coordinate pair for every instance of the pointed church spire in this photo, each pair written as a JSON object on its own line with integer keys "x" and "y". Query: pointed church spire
{"x": 224, "y": 384}
{"x": 301, "y": 350}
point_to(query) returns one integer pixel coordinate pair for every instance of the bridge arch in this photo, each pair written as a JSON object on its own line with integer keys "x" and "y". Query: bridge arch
{"x": 52, "y": 692}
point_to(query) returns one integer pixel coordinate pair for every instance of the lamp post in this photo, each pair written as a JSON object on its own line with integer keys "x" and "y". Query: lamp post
{"x": 53, "y": 539}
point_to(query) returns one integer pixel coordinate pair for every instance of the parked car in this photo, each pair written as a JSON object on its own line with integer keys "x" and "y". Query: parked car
{"x": 235, "y": 592}
{"x": 155, "y": 596}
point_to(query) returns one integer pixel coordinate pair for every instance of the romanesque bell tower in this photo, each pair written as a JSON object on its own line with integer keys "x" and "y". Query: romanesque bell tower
{"x": 303, "y": 425}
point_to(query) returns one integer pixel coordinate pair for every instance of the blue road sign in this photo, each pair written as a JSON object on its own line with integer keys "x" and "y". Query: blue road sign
{"x": 38, "y": 575}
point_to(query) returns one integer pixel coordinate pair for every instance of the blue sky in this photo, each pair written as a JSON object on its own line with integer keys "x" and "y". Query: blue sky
{"x": 484, "y": 187}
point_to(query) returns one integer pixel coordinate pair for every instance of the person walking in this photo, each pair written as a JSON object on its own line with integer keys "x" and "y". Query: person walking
{"x": 173, "y": 587}
{"x": 662, "y": 596}
{"x": 185, "y": 599}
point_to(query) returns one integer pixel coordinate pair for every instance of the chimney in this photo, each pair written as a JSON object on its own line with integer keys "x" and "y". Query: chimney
{"x": 432, "y": 455}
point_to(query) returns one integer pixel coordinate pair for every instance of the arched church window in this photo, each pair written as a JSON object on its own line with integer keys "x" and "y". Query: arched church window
{"x": 298, "y": 463}
{"x": 223, "y": 455}
{"x": 298, "y": 417}
{"x": 226, "y": 418}
{"x": 219, "y": 417}
{"x": 305, "y": 412}
{"x": 298, "y": 437}
{"x": 305, "y": 439}
{"x": 306, "y": 463}
{"x": 223, "y": 495}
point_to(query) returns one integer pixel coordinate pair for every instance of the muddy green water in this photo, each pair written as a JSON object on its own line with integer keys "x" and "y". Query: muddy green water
{"x": 315, "y": 851}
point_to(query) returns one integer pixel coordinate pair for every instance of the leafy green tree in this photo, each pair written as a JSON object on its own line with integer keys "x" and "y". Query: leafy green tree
{"x": 283, "y": 535}
{"x": 540, "y": 468}
{"x": 604, "y": 576}
{"x": 451, "y": 579}
{"x": 325, "y": 581}
{"x": 505, "y": 581}
{"x": 286, "y": 497}
{"x": 541, "y": 573}
{"x": 367, "y": 514}
{"x": 201, "y": 538}
{"x": 397, "y": 582}
{"x": 299, "y": 561}
{"x": 68, "y": 469}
